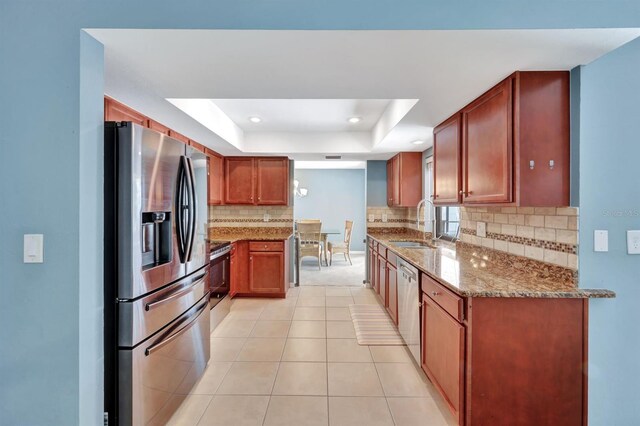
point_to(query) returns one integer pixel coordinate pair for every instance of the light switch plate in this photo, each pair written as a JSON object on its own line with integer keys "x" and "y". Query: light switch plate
{"x": 600, "y": 240}
{"x": 384, "y": 217}
{"x": 481, "y": 229}
{"x": 633, "y": 242}
{"x": 33, "y": 248}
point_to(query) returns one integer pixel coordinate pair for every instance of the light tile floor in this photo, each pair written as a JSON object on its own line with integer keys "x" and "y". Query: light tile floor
{"x": 296, "y": 362}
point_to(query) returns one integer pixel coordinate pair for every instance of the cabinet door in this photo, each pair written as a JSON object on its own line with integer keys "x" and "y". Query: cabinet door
{"x": 216, "y": 177}
{"x": 382, "y": 278}
{"x": 272, "y": 181}
{"x": 396, "y": 179}
{"x": 487, "y": 145}
{"x": 240, "y": 267}
{"x": 266, "y": 272}
{"x": 115, "y": 111}
{"x": 390, "y": 183}
{"x": 392, "y": 292}
{"x": 446, "y": 162}
{"x": 239, "y": 180}
{"x": 154, "y": 125}
{"x": 233, "y": 271}
{"x": 443, "y": 353}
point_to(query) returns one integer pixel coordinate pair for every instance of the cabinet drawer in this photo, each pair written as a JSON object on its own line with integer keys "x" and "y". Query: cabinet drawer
{"x": 266, "y": 246}
{"x": 447, "y": 300}
{"x": 392, "y": 258}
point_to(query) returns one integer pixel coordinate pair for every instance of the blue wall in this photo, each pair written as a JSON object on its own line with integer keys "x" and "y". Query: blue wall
{"x": 41, "y": 167}
{"x": 334, "y": 196}
{"x": 376, "y": 183}
{"x": 610, "y": 199}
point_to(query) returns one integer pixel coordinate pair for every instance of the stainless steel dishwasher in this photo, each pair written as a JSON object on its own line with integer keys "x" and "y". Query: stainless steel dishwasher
{"x": 409, "y": 307}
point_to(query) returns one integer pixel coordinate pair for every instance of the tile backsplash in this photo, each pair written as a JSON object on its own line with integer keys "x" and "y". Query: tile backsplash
{"x": 547, "y": 234}
{"x": 397, "y": 217}
{"x": 250, "y": 216}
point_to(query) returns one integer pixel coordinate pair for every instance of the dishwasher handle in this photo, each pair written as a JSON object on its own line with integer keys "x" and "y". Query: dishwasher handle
{"x": 411, "y": 275}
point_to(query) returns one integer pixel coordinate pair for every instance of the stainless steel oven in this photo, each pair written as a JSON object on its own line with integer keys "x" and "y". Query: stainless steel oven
{"x": 219, "y": 272}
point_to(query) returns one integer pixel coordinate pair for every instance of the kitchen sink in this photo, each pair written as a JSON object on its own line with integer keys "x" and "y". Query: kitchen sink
{"x": 411, "y": 244}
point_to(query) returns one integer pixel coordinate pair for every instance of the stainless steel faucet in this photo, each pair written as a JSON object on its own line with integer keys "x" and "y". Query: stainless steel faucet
{"x": 421, "y": 203}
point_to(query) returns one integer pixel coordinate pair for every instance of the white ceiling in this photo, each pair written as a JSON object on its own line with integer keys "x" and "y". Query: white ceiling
{"x": 259, "y": 70}
{"x": 303, "y": 115}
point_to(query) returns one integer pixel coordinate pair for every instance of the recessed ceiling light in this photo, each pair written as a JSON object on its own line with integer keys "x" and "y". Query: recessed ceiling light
{"x": 354, "y": 120}
{"x": 417, "y": 142}
{"x": 255, "y": 119}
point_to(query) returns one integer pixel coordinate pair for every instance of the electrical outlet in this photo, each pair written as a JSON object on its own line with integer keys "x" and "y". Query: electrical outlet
{"x": 633, "y": 242}
{"x": 481, "y": 229}
{"x": 384, "y": 217}
{"x": 600, "y": 240}
{"x": 266, "y": 217}
{"x": 371, "y": 218}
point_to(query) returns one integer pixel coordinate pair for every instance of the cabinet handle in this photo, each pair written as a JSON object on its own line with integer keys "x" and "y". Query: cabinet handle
{"x": 251, "y": 258}
{"x": 435, "y": 293}
{"x": 258, "y": 198}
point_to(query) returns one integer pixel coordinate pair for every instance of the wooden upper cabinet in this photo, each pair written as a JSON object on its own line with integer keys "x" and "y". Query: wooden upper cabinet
{"x": 390, "y": 183}
{"x": 515, "y": 147}
{"x": 542, "y": 121}
{"x": 216, "y": 177}
{"x": 487, "y": 147}
{"x": 256, "y": 180}
{"x": 115, "y": 111}
{"x": 154, "y": 125}
{"x": 239, "y": 180}
{"x": 272, "y": 184}
{"x": 404, "y": 179}
{"x": 178, "y": 136}
{"x": 446, "y": 154}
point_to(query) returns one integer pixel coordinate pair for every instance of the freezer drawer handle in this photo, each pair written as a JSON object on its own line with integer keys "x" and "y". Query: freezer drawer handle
{"x": 153, "y": 348}
{"x": 175, "y": 295}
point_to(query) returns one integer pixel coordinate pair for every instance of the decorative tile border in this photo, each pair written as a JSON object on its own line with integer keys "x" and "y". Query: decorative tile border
{"x": 532, "y": 242}
{"x": 249, "y": 220}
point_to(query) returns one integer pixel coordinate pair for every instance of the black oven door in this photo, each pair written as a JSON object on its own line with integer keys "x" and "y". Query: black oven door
{"x": 219, "y": 275}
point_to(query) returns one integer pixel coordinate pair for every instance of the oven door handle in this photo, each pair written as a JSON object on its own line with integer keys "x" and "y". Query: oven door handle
{"x": 220, "y": 253}
{"x": 175, "y": 295}
{"x": 151, "y": 349}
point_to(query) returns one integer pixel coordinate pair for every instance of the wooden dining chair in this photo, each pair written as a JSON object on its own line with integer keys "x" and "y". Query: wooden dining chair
{"x": 342, "y": 247}
{"x": 309, "y": 236}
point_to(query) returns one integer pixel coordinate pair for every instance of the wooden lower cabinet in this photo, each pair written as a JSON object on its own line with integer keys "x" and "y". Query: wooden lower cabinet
{"x": 259, "y": 268}
{"x": 506, "y": 361}
{"x": 392, "y": 292}
{"x": 443, "y": 349}
{"x": 239, "y": 268}
{"x": 382, "y": 279}
{"x": 266, "y": 272}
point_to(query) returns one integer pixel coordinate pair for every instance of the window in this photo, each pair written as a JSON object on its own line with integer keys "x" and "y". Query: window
{"x": 447, "y": 222}
{"x": 447, "y": 218}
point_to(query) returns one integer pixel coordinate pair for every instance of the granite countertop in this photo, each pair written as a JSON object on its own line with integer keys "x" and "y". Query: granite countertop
{"x": 246, "y": 234}
{"x": 472, "y": 271}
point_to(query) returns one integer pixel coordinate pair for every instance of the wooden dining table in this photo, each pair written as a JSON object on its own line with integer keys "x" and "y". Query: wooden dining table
{"x": 324, "y": 235}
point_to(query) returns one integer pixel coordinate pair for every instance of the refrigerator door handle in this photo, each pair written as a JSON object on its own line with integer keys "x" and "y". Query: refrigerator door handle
{"x": 191, "y": 207}
{"x": 193, "y": 320}
{"x": 182, "y": 206}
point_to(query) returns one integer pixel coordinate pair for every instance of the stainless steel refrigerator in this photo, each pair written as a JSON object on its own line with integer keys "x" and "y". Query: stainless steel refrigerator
{"x": 156, "y": 283}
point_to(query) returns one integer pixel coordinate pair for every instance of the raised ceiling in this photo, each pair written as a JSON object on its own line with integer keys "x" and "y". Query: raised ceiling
{"x": 443, "y": 70}
{"x": 303, "y": 115}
